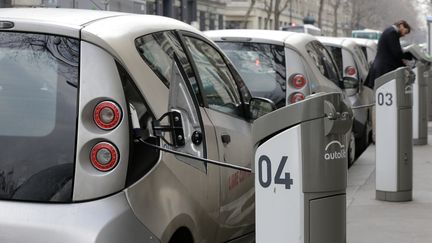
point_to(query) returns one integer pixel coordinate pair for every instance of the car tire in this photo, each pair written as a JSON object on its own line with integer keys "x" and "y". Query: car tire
{"x": 362, "y": 142}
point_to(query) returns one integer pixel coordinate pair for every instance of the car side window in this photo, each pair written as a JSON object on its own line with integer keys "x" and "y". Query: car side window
{"x": 219, "y": 86}
{"x": 323, "y": 61}
{"x": 361, "y": 56}
{"x": 337, "y": 55}
{"x": 165, "y": 55}
{"x": 158, "y": 50}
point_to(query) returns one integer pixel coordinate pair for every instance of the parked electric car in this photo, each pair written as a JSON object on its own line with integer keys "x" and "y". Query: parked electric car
{"x": 285, "y": 67}
{"x": 369, "y": 48}
{"x": 352, "y": 63}
{"x": 88, "y": 100}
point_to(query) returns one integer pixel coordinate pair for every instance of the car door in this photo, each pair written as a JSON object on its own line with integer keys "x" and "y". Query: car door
{"x": 190, "y": 186}
{"x": 223, "y": 103}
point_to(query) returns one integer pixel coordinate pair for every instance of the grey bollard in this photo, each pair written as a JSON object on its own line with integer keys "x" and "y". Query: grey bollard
{"x": 301, "y": 195}
{"x": 393, "y": 97}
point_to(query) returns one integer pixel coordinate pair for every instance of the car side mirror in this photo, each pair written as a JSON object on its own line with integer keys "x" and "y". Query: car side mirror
{"x": 350, "y": 85}
{"x": 259, "y": 106}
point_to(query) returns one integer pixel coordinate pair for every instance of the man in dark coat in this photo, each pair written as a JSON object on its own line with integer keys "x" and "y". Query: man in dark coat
{"x": 389, "y": 54}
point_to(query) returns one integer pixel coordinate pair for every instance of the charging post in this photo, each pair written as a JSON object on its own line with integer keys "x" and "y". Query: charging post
{"x": 301, "y": 171}
{"x": 394, "y": 143}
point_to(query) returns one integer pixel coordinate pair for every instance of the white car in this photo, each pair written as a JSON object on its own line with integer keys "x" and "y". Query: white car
{"x": 283, "y": 66}
{"x": 369, "y": 48}
{"x": 95, "y": 107}
{"x": 352, "y": 63}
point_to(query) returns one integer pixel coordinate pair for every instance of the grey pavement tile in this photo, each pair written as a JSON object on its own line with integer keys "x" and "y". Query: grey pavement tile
{"x": 370, "y": 220}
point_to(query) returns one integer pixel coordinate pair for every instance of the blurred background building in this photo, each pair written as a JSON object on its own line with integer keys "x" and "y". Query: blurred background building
{"x": 334, "y": 17}
{"x": 212, "y": 14}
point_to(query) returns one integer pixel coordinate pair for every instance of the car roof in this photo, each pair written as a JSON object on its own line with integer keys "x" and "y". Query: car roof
{"x": 336, "y": 41}
{"x": 61, "y": 16}
{"x": 110, "y": 30}
{"x": 363, "y": 42}
{"x": 79, "y": 18}
{"x": 261, "y": 36}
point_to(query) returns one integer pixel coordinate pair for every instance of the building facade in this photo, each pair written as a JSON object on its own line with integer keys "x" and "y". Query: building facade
{"x": 295, "y": 13}
{"x": 205, "y": 15}
{"x": 215, "y": 14}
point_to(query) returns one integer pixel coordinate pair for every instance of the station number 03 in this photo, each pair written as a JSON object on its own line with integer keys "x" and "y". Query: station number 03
{"x": 385, "y": 99}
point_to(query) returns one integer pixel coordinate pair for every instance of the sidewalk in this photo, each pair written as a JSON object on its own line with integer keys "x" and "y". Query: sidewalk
{"x": 373, "y": 221}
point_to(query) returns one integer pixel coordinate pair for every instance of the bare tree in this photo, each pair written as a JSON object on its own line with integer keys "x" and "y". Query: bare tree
{"x": 268, "y": 8}
{"x": 366, "y": 14}
{"x": 369, "y": 14}
{"x": 278, "y": 9}
{"x": 320, "y": 13}
{"x": 246, "y": 17}
{"x": 335, "y": 5}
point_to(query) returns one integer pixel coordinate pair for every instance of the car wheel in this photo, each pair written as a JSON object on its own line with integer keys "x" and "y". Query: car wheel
{"x": 351, "y": 150}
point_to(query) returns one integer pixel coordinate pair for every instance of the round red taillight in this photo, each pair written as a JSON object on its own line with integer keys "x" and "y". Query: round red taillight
{"x": 298, "y": 81}
{"x": 297, "y": 97}
{"x": 104, "y": 156}
{"x": 350, "y": 71}
{"x": 107, "y": 115}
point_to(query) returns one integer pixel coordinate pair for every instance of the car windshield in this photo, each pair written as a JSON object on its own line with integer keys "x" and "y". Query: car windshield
{"x": 262, "y": 67}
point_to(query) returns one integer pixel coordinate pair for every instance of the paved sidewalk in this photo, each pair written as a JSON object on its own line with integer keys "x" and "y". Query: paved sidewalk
{"x": 373, "y": 221}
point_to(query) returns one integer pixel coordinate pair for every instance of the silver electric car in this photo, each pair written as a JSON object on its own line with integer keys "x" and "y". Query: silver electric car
{"x": 283, "y": 66}
{"x": 369, "y": 48}
{"x": 352, "y": 63}
{"x": 98, "y": 110}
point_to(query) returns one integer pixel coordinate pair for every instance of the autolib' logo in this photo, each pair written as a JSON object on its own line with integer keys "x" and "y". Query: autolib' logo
{"x": 338, "y": 151}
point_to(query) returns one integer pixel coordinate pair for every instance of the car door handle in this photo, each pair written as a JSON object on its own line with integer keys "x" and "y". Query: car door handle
{"x": 226, "y": 139}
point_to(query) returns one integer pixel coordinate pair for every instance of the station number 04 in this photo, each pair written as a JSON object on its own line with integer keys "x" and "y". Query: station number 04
{"x": 385, "y": 99}
{"x": 265, "y": 172}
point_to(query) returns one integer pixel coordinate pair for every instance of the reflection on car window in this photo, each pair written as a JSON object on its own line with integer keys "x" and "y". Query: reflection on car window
{"x": 323, "y": 61}
{"x": 38, "y": 114}
{"x": 361, "y": 56}
{"x": 219, "y": 86}
{"x": 158, "y": 51}
{"x": 262, "y": 66}
{"x": 337, "y": 56}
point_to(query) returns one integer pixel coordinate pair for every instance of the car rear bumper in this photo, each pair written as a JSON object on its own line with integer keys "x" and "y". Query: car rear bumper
{"x": 107, "y": 220}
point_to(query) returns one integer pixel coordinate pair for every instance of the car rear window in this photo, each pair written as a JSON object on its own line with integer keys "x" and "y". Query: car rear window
{"x": 38, "y": 114}
{"x": 262, "y": 67}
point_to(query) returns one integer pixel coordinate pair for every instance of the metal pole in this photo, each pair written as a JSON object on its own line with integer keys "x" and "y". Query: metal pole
{"x": 290, "y": 12}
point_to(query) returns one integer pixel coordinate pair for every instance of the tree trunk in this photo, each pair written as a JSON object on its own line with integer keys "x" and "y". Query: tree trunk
{"x": 320, "y": 12}
{"x": 278, "y": 11}
{"x": 335, "y": 16}
{"x": 246, "y": 18}
{"x": 268, "y": 7}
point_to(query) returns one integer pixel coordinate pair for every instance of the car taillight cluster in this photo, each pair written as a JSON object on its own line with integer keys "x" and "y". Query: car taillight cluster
{"x": 297, "y": 81}
{"x": 350, "y": 71}
{"x": 104, "y": 156}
